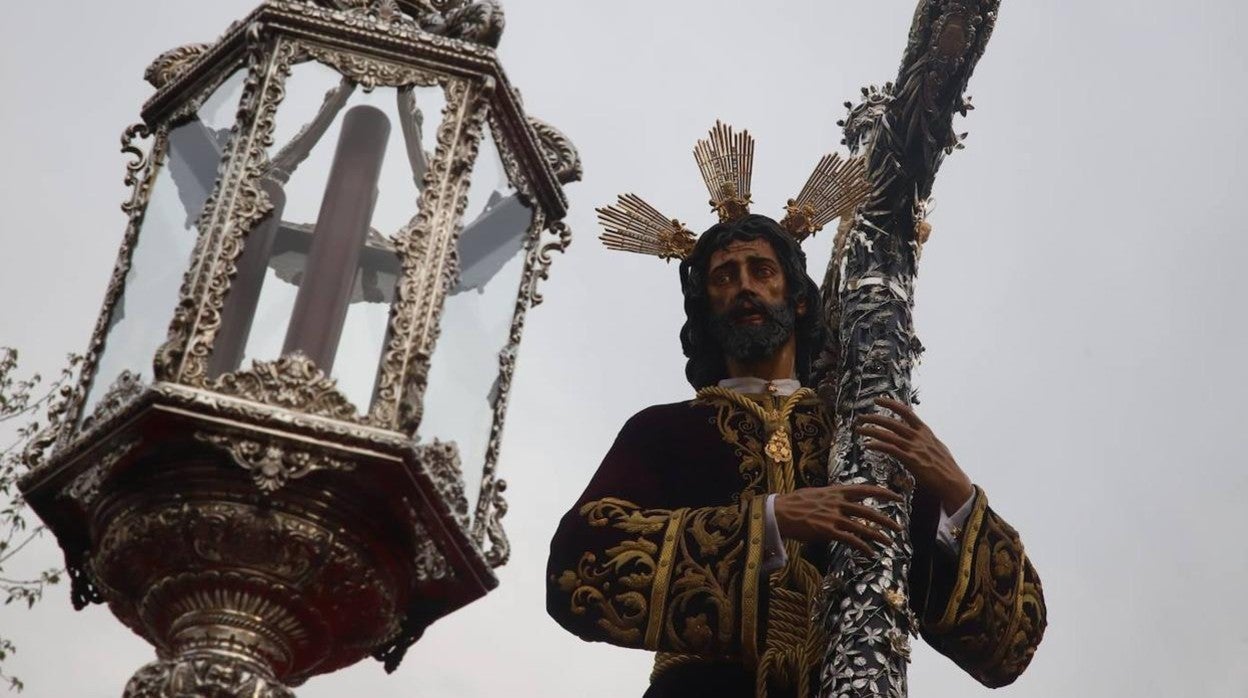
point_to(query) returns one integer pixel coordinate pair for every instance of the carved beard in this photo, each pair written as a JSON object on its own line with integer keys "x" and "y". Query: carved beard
{"x": 753, "y": 342}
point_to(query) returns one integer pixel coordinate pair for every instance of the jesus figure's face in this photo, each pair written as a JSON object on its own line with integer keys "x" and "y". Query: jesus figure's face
{"x": 751, "y": 315}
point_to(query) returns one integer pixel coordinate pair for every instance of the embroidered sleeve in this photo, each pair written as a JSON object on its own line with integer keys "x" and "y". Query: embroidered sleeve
{"x": 624, "y": 570}
{"x": 993, "y": 616}
{"x": 684, "y": 580}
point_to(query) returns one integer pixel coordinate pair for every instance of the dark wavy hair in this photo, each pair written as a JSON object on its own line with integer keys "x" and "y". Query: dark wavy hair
{"x": 706, "y": 365}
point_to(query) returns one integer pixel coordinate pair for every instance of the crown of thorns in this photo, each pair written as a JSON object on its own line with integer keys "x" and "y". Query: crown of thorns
{"x": 726, "y": 160}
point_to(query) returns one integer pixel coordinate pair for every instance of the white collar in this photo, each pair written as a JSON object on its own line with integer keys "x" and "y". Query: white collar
{"x": 758, "y": 386}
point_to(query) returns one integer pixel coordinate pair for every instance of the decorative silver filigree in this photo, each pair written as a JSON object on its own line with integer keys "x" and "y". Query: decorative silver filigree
{"x": 137, "y": 164}
{"x": 479, "y": 22}
{"x": 491, "y": 505}
{"x": 507, "y": 152}
{"x": 429, "y": 260}
{"x": 563, "y": 240}
{"x": 198, "y": 572}
{"x": 488, "y": 530}
{"x": 86, "y": 487}
{"x": 172, "y": 64}
{"x": 274, "y": 463}
{"x": 141, "y": 191}
{"x": 125, "y": 388}
{"x": 560, "y": 152}
{"x": 338, "y": 431}
{"x": 431, "y": 564}
{"x": 198, "y": 316}
{"x": 499, "y": 550}
{"x": 374, "y": 16}
{"x": 348, "y": 435}
{"x": 59, "y": 409}
{"x": 441, "y": 460}
{"x": 293, "y": 382}
{"x": 205, "y": 675}
{"x": 370, "y": 72}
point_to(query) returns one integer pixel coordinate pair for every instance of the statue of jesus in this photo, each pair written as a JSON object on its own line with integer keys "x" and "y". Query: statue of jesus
{"x": 703, "y": 536}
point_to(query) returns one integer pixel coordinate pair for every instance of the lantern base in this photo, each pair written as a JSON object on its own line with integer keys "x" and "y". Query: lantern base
{"x": 247, "y": 546}
{"x": 204, "y": 674}
{"x": 285, "y": 585}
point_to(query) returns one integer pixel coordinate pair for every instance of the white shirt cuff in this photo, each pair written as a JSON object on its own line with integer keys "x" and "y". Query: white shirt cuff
{"x": 949, "y": 530}
{"x": 774, "y": 554}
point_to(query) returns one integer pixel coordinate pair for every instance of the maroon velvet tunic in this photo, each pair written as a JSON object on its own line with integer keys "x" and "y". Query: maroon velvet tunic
{"x": 663, "y": 552}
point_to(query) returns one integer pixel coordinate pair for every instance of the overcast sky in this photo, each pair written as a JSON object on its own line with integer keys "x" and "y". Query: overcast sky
{"x": 1079, "y": 301}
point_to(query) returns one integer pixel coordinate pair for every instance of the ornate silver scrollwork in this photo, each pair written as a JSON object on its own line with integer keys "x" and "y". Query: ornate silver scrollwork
{"x": 379, "y": 16}
{"x": 273, "y": 463}
{"x": 272, "y": 416}
{"x": 184, "y": 355}
{"x": 491, "y": 505}
{"x": 480, "y": 22}
{"x": 563, "y": 240}
{"x": 127, "y": 386}
{"x": 59, "y": 410}
{"x": 475, "y": 22}
{"x": 511, "y": 161}
{"x": 172, "y": 64}
{"x": 201, "y": 573}
{"x": 205, "y": 675}
{"x": 441, "y": 460}
{"x": 371, "y": 73}
{"x": 86, "y": 487}
{"x": 293, "y": 382}
{"x": 560, "y": 152}
{"x": 137, "y": 164}
{"x": 431, "y": 564}
{"x": 140, "y": 176}
{"x": 141, "y": 170}
{"x": 429, "y": 262}
{"x": 499, "y": 550}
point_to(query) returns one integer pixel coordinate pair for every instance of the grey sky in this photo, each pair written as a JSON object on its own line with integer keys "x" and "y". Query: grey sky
{"x": 1078, "y": 300}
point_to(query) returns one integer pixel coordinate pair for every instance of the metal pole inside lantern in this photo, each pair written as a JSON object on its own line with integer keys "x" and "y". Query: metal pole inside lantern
{"x": 341, "y": 230}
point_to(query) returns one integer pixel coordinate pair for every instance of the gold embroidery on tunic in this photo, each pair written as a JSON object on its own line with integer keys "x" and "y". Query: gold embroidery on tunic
{"x": 965, "y": 558}
{"x": 629, "y": 566}
{"x": 706, "y": 581}
{"x": 749, "y": 585}
{"x": 678, "y": 592}
{"x": 770, "y": 425}
{"x": 995, "y": 616}
{"x": 791, "y": 642}
{"x": 658, "y": 597}
{"x": 744, "y": 433}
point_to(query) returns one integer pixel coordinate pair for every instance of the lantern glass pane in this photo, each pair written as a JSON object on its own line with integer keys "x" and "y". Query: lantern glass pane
{"x": 185, "y": 177}
{"x": 477, "y": 318}
{"x": 318, "y": 273}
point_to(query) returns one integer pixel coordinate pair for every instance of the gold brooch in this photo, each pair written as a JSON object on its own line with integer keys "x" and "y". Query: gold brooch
{"x": 778, "y": 448}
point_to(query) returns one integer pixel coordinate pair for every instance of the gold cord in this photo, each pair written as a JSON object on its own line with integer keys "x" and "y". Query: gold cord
{"x": 793, "y": 644}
